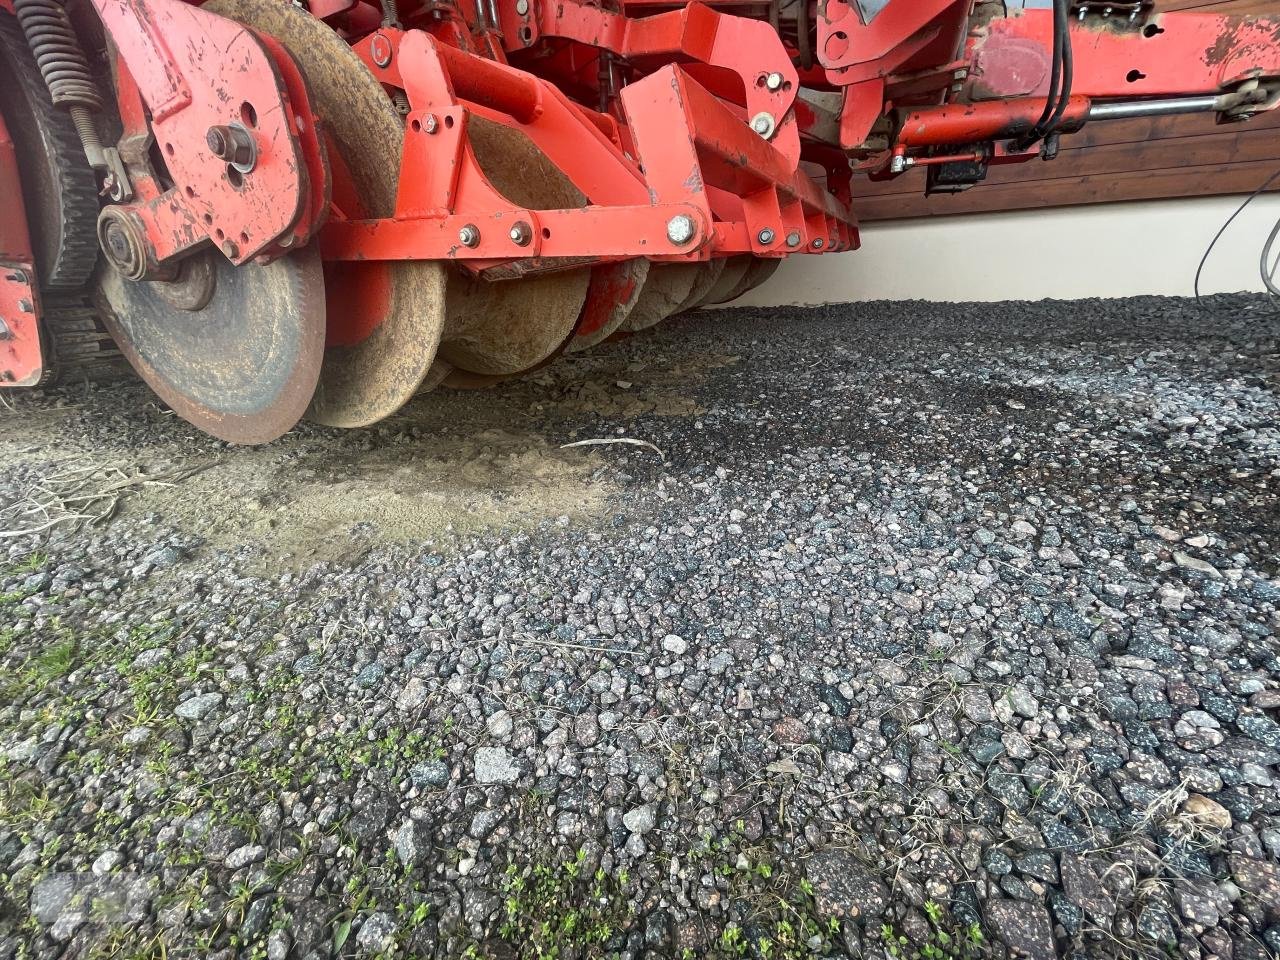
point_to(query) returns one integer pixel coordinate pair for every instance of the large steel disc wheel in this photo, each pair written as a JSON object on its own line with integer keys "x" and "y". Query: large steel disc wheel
{"x": 385, "y": 319}
{"x": 234, "y": 350}
{"x": 735, "y": 268}
{"x": 665, "y": 290}
{"x": 614, "y": 292}
{"x": 505, "y": 327}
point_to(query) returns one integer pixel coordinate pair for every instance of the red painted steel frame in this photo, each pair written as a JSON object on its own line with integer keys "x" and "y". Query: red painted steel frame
{"x": 685, "y": 140}
{"x": 21, "y": 359}
{"x": 1175, "y": 54}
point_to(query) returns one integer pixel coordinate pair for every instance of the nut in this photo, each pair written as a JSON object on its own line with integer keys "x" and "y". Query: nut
{"x": 521, "y": 233}
{"x": 470, "y": 235}
{"x": 765, "y": 236}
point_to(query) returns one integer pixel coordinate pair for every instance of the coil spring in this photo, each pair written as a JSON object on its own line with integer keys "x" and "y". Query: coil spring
{"x": 57, "y": 53}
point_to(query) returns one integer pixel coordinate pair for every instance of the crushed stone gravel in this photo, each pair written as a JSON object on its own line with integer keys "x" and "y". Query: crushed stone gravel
{"x": 935, "y": 627}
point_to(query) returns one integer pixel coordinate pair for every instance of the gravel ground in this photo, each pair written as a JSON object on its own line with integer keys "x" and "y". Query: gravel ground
{"x": 933, "y": 630}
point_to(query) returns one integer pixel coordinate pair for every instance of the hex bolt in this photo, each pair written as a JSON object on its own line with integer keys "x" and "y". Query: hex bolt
{"x": 817, "y": 243}
{"x": 765, "y": 236}
{"x": 680, "y": 229}
{"x": 522, "y": 7}
{"x": 521, "y": 233}
{"x": 763, "y": 123}
{"x": 470, "y": 235}
{"x": 430, "y": 123}
{"x": 233, "y": 144}
{"x": 773, "y": 81}
{"x": 380, "y": 49}
{"x": 793, "y": 239}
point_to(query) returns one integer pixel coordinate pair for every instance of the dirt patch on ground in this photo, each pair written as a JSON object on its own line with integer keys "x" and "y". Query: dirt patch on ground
{"x": 322, "y": 506}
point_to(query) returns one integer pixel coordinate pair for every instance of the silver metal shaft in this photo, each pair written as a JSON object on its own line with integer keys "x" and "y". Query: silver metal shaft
{"x": 1127, "y": 109}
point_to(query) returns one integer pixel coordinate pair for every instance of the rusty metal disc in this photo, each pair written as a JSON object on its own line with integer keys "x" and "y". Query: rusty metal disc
{"x": 665, "y": 289}
{"x": 707, "y": 279}
{"x": 735, "y": 269}
{"x": 759, "y": 270}
{"x": 243, "y": 364}
{"x": 614, "y": 291}
{"x": 503, "y": 327}
{"x": 385, "y": 319}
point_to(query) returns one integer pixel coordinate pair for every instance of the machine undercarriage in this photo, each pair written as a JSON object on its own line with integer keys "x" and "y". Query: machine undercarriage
{"x": 280, "y": 209}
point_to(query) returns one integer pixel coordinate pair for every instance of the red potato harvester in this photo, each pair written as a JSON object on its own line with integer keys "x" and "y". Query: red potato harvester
{"x": 319, "y": 208}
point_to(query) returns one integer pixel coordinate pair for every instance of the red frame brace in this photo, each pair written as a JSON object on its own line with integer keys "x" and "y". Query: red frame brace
{"x": 443, "y": 189}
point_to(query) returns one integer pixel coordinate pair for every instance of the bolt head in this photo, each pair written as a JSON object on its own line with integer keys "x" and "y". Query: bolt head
{"x": 522, "y": 7}
{"x": 469, "y": 235}
{"x": 765, "y": 236}
{"x": 773, "y": 81}
{"x": 793, "y": 238}
{"x": 763, "y": 124}
{"x": 430, "y": 123}
{"x": 680, "y": 229}
{"x": 817, "y": 243}
{"x": 380, "y": 49}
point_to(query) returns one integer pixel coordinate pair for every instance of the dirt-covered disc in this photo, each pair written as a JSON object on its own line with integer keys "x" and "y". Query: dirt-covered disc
{"x": 505, "y": 327}
{"x": 735, "y": 269}
{"x": 614, "y": 291}
{"x": 241, "y": 367}
{"x": 707, "y": 279}
{"x": 385, "y": 319}
{"x": 760, "y": 270}
{"x": 665, "y": 289}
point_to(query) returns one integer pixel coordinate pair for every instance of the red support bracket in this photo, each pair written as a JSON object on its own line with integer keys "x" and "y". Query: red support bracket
{"x": 199, "y": 72}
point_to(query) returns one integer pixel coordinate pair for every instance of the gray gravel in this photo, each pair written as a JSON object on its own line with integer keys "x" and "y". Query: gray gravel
{"x": 934, "y": 628}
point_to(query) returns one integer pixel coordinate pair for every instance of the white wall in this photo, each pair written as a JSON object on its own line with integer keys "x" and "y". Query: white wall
{"x": 1103, "y": 250}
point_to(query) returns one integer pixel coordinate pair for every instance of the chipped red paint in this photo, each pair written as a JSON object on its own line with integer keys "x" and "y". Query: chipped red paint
{"x": 21, "y": 358}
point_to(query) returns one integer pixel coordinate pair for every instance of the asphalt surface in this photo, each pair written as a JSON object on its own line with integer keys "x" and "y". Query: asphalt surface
{"x": 894, "y": 629}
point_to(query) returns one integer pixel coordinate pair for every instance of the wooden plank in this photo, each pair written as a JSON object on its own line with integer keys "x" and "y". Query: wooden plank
{"x": 1071, "y": 191}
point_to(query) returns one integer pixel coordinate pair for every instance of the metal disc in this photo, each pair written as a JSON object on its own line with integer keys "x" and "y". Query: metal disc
{"x": 706, "y": 282}
{"x": 614, "y": 291}
{"x": 665, "y": 289}
{"x": 504, "y": 327}
{"x": 735, "y": 269}
{"x": 385, "y": 319}
{"x": 244, "y": 365}
{"x": 760, "y": 270}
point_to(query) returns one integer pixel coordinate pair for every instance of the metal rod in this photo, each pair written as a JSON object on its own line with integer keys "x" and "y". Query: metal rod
{"x": 1126, "y": 109}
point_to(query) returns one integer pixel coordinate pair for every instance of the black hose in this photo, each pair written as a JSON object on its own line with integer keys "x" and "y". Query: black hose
{"x": 1068, "y": 65}
{"x": 1054, "y": 77}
